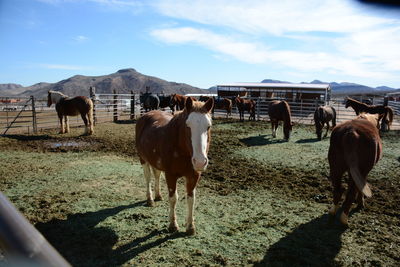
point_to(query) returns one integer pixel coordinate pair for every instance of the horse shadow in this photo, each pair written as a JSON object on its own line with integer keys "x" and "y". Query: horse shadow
{"x": 315, "y": 243}
{"x": 308, "y": 140}
{"x": 260, "y": 140}
{"x": 21, "y": 137}
{"x": 83, "y": 243}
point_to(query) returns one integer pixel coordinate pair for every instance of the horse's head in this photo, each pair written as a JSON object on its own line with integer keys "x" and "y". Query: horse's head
{"x": 49, "y": 102}
{"x": 198, "y": 124}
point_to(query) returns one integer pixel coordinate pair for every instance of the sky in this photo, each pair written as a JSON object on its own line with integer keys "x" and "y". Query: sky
{"x": 201, "y": 43}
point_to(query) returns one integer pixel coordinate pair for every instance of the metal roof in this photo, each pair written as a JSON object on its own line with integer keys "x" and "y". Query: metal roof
{"x": 307, "y": 86}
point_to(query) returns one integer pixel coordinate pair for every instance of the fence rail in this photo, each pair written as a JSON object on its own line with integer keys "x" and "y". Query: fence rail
{"x": 30, "y": 115}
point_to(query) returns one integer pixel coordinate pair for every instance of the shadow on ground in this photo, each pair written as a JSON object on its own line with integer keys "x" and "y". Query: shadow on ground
{"x": 308, "y": 140}
{"x": 260, "y": 140}
{"x": 315, "y": 243}
{"x": 83, "y": 244}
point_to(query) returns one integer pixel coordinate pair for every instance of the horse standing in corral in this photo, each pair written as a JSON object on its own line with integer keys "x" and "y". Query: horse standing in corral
{"x": 66, "y": 106}
{"x": 385, "y": 111}
{"x": 178, "y": 145}
{"x": 248, "y": 105}
{"x": 149, "y": 101}
{"x": 323, "y": 115}
{"x": 178, "y": 102}
{"x": 280, "y": 111}
{"x": 355, "y": 147}
{"x": 220, "y": 103}
{"x": 165, "y": 101}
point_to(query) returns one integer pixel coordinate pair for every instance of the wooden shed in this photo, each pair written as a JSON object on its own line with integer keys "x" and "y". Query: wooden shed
{"x": 290, "y": 91}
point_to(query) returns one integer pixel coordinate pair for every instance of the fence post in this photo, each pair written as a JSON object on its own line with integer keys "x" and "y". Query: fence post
{"x": 258, "y": 104}
{"x": 115, "y": 105}
{"x": 34, "y": 122}
{"x": 92, "y": 92}
{"x": 132, "y": 105}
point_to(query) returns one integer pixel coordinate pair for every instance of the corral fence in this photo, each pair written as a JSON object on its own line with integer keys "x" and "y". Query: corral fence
{"x": 31, "y": 115}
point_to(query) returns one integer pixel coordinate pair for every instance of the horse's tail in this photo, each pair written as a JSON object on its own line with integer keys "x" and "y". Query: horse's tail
{"x": 90, "y": 115}
{"x": 389, "y": 112}
{"x": 351, "y": 159}
{"x": 333, "y": 117}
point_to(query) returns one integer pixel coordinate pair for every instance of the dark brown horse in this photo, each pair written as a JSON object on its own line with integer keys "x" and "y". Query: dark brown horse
{"x": 323, "y": 115}
{"x": 355, "y": 147}
{"x": 66, "y": 106}
{"x": 177, "y": 145}
{"x": 385, "y": 111}
{"x": 177, "y": 102}
{"x": 280, "y": 111}
{"x": 248, "y": 105}
{"x": 220, "y": 103}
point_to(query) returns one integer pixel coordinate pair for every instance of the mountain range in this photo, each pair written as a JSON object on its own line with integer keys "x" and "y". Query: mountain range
{"x": 127, "y": 80}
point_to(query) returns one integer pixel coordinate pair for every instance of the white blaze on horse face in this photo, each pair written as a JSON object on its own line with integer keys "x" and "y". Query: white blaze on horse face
{"x": 199, "y": 123}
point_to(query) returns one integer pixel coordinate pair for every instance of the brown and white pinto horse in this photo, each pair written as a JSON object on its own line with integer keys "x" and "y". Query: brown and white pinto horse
{"x": 280, "y": 111}
{"x": 323, "y": 115}
{"x": 385, "y": 111}
{"x": 355, "y": 147}
{"x": 248, "y": 105}
{"x": 66, "y": 106}
{"x": 177, "y": 145}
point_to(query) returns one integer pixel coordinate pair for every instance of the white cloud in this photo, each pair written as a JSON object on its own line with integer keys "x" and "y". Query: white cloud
{"x": 81, "y": 38}
{"x": 332, "y": 36}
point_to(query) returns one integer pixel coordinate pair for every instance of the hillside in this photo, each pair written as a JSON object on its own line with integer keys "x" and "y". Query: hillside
{"x": 123, "y": 81}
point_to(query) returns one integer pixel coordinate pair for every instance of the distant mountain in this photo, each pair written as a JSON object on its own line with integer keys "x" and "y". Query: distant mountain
{"x": 123, "y": 81}
{"x": 344, "y": 87}
{"x": 9, "y": 89}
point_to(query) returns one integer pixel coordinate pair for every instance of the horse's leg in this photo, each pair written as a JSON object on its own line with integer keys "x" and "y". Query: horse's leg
{"x": 327, "y": 129}
{"x": 85, "y": 121}
{"x": 336, "y": 174}
{"x": 350, "y": 197}
{"x": 273, "y": 128}
{"x": 173, "y": 198}
{"x": 360, "y": 200}
{"x": 66, "y": 124}
{"x": 191, "y": 183}
{"x": 147, "y": 176}
{"x": 60, "y": 117}
{"x": 157, "y": 174}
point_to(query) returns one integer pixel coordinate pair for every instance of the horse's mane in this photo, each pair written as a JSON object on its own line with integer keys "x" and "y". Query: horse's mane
{"x": 287, "y": 111}
{"x": 58, "y": 93}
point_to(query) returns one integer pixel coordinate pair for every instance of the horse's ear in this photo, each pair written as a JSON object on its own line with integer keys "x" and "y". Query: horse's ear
{"x": 188, "y": 104}
{"x": 209, "y": 104}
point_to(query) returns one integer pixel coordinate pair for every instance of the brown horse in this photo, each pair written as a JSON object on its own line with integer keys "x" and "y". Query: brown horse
{"x": 220, "y": 103}
{"x": 385, "y": 111}
{"x": 372, "y": 118}
{"x": 280, "y": 111}
{"x": 177, "y": 145}
{"x": 66, "y": 106}
{"x": 355, "y": 147}
{"x": 177, "y": 102}
{"x": 248, "y": 105}
{"x": 323, "y": 115}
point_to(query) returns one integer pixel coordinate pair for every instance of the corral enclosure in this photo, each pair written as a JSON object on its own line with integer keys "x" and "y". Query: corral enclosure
{"x": 31, "y": 115}
{"x": 262, "y": 201}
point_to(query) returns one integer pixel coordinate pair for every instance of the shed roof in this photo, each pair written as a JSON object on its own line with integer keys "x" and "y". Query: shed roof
{"x": 302, "y": 86}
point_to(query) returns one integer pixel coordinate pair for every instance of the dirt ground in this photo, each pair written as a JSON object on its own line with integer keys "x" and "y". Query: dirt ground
{"x": 261, "y": 202}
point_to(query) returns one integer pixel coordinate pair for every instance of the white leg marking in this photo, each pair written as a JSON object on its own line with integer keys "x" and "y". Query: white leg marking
{"x": 190, "y": 202}
{"x": 157, "y": 174}
{"x": 147, "y": 176}
{"x": 173, "y": 225}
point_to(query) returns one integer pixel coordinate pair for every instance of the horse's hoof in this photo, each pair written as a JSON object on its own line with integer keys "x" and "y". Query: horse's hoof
{"x": 158, "y": 198}
{"x": 332, "y": 211}
{"x": 173, "y": 228}
{"x": 150, "y": 203}
{"x": 191, "y": 231}
{"x": 344, "y": 219}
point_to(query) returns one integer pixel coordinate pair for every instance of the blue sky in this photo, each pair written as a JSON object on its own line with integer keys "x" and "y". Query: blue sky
{"x": 202, "y": 43}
